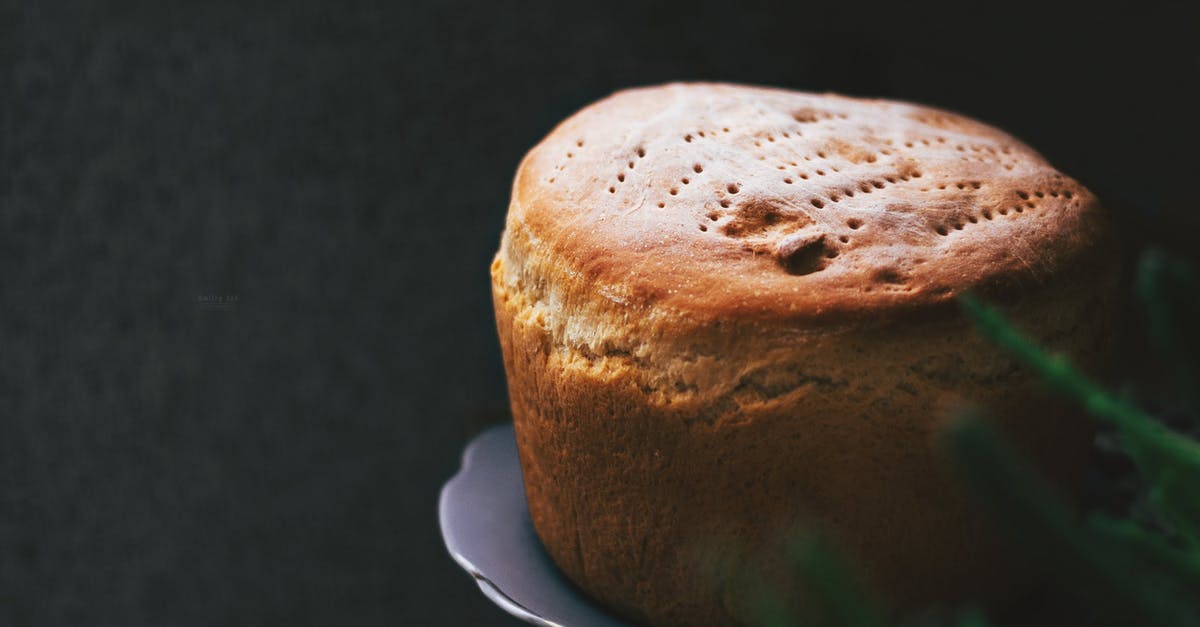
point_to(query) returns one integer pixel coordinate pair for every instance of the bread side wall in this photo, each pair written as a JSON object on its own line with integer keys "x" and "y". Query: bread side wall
{"x": 638, "y": 494}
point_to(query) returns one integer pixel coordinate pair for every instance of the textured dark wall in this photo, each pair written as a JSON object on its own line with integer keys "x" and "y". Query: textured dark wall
{"x": 342, "y": 170}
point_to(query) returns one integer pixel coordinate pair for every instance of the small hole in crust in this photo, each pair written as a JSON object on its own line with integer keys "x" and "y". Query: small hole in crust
{"x": 703, "y": 228}
{"x": 661, "y": 204}
{"x": 687, "y": 138}
{"x": 854, "y": 223}
{"x": 941, "y": 230}
{"x": 612, "y": 190}
{"x": 844, "y": 238}
{"x": 725, "y": 204}
{"x": 733, "y": 188}
{"x": 621, "y": 177}
{"x": 641, "y": 152}
{"x": 674, "y": 191}
{"x": 697, "y": 168}
{"x": 684, "y": 180}
{"x": 788, "y": 181}
{"x": 888, "y": 275}
{"x": 804, "y": 256}
{"x": 1023, "y": 195}
{"x": 816, "y": 202}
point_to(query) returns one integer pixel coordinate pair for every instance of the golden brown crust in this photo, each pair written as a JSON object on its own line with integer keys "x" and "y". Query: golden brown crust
{"x": 676, "y": 389}
{"x": 639, "y": 492}
{"x": 723, "y": 200}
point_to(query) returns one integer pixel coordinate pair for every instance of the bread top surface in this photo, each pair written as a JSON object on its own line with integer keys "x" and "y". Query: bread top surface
{"x": 720, "y": 201}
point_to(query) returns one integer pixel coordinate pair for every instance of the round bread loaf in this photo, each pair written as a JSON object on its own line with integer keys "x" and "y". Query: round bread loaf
{"x": 725, "y": 310}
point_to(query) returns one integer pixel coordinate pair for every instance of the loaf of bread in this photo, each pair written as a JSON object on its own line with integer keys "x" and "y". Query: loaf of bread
{"x": 726, "y": 310}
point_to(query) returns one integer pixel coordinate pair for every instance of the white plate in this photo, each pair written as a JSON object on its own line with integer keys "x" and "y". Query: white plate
{"x": 486, "y": 526}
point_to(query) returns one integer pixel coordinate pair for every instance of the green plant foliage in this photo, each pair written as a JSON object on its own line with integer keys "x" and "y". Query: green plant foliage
{"x": 842, "y": 599}
{"x": 1131, "y": 573}
{"x": 1152, "y": 551}
{"x": 1170, "y": 294}
{"x": 1169, "y": 461}
{"x": 1096, "y": 571}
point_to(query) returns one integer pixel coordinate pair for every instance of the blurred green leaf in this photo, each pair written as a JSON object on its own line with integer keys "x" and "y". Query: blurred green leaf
{"x": 770, "y": 608}
{"x": 1151, "y": 549}
{"x": 971, "y": 617}
{"x": 845, "y": 602}
{"x": 1133, "y": 573}
{"x": 1169, "y": 461}
{"x": 1170, "y": 293}
{"x": 1034, "y": 519}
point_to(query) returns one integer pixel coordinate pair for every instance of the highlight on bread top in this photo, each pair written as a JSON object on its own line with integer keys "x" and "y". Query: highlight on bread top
{"x": 726, "y": 311}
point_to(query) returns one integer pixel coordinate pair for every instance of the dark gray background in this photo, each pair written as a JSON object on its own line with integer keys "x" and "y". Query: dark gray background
{"x": 343, "y": 170}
